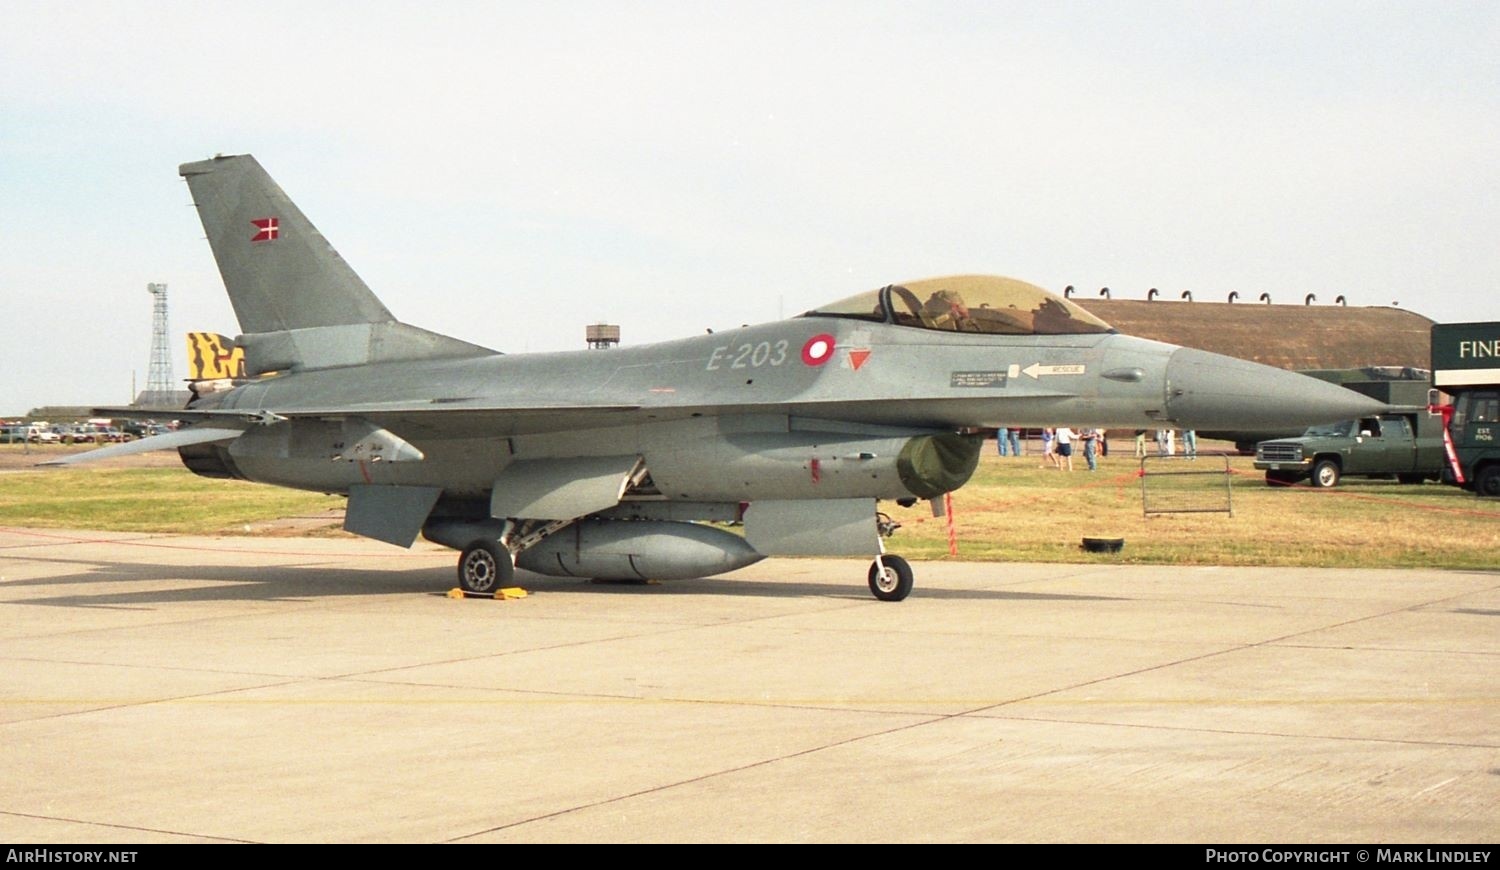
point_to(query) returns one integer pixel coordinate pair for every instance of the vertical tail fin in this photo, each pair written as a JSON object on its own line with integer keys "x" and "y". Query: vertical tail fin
{"x": 299, "y": 303}
{"x": 279, "y": 270}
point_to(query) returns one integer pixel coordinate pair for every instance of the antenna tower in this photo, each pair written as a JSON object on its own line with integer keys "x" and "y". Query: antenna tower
{"x": 159, "y": 384}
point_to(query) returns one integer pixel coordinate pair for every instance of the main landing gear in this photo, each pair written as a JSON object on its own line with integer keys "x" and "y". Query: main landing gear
{"x": 487, "y": 562}
{"x": 485, "y": 568}
{"x": 489, "y": 548}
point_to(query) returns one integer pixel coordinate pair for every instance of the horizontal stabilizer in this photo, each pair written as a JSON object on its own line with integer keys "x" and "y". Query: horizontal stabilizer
{"x": 166, "y": 441}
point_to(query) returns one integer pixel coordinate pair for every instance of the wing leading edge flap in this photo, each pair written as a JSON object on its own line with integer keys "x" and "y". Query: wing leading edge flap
{"x": 561, "y": 489}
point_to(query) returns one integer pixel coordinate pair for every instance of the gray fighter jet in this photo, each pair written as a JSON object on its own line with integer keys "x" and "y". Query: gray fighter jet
{"x": 615, "y": 464}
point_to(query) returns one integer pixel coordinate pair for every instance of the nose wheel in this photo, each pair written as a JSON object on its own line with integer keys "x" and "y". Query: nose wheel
{"x": 485, "y": 568}
{"x": 890, "y": 578}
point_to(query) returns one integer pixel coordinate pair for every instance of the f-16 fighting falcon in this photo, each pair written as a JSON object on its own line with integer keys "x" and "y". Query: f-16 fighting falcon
{"x": 617, "y": 464}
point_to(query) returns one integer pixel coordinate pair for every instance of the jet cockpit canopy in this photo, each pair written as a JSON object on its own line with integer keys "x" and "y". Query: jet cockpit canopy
{"x": 983, "y": 304}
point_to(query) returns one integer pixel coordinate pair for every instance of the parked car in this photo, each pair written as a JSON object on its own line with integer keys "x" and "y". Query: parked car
{"x": 76, "y": 435}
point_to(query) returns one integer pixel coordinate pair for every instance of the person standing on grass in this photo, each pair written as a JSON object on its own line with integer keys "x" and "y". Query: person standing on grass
{"x": 1008, "y": 437}
{"x": 1065, "y": 438}
{"x": 1090, "y": 438}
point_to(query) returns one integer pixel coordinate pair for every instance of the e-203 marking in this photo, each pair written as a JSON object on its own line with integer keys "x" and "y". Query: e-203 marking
{"x": 749, "y": 355}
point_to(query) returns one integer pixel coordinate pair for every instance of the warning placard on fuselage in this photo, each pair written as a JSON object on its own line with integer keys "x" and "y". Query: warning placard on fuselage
{"x": 977, "y": 379}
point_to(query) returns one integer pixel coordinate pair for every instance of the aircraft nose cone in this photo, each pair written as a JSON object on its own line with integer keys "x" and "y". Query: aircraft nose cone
{"x": 1211, "y": 391}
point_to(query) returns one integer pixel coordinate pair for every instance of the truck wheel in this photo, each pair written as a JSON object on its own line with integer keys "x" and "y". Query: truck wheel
{"x": 1280, "y": 478}
{"x": 1326, "y": 474}
{"x": 1487, "y": 482}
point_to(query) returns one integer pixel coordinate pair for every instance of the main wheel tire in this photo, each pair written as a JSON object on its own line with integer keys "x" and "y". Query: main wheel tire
{"x": 1326, "y": 474}
{"x": 893, "y": 581}
{"x": 1280, "y": 478}
{"x": 485, "y": 568}
{"x": 1487, "y": 482}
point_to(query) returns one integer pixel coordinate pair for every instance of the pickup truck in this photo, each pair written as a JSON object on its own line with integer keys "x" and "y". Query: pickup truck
{"x": 1406, "y": 445}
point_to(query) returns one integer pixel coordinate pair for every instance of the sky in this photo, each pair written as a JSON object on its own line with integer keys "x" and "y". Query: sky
{"x": 508, "y": 172}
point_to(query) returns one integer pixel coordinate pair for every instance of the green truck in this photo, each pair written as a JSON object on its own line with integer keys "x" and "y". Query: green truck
{"x": 1466, "y": 365}
{"x": 1405, "y": 443}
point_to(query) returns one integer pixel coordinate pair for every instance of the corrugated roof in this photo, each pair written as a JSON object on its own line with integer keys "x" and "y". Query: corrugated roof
{"x": 1285, "y": 336}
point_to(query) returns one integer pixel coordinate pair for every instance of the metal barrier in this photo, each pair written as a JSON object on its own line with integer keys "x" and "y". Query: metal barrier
{"x": 1186, "y": 485}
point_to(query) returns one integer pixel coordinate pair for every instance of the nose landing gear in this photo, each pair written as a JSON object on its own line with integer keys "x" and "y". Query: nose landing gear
{"x": 890, "y": 578}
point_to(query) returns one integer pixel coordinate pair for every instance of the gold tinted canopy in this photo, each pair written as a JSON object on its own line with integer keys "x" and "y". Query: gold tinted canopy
{"x": 983, "y": 304}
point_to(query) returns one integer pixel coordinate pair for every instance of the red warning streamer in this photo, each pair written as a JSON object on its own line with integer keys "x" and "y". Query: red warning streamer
{"x": 1447, "y": 412}
{"x": 952, "y": 532}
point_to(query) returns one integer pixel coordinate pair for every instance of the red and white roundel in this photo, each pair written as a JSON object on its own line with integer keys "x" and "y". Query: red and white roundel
{"x": 818, "y": 350}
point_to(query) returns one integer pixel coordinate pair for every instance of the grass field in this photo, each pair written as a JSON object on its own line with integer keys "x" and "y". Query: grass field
{"x": 1011, "y": 511}
{"x": 147, "y": 500}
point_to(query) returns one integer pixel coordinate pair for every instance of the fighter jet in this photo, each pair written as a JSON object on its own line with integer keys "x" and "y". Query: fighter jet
{"x": 625, "y": 463}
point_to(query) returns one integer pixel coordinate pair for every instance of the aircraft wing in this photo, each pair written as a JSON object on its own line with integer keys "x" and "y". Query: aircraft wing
{"x": 435, "y": 406}
{"x": 226, "y": 424}
{"x": 422, "y": 407}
